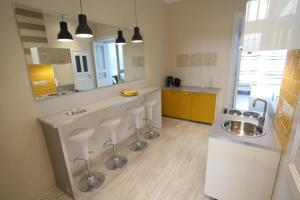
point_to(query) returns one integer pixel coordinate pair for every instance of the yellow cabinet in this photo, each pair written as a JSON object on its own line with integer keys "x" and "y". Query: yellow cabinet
{"x": 194, "y": 106}
{"x": 203, "y": 107}
{"x": 184, "y": 105}
{"x": 169, "y": 103}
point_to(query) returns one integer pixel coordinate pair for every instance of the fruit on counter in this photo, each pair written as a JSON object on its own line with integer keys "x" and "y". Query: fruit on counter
{"x": 129, "y": 93}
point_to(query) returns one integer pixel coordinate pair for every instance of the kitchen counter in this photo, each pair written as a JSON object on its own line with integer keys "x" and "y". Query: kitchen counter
{"x": 268, "y": 141}
{"x": 194, "y": 89}
{"x": 61, "y": 118}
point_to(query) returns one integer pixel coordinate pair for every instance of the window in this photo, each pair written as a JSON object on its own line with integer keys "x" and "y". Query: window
{"x": 260, "y": 76}
{"x": 78, "y": 64}
{"x": 84, "y": 63}
{"x": 257, "y": 10}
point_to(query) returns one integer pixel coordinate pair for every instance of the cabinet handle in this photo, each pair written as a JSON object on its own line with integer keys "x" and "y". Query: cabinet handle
{"x": 186, "y": 93}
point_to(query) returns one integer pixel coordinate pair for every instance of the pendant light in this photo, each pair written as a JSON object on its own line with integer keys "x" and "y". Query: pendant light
{"x": 83, "y": 30}
{"x": 136, "y": 38}
{"x": 64, "y": 35}
{"x": 120, "y": 39}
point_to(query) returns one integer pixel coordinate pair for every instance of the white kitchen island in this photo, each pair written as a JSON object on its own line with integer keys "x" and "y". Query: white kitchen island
{"x": 58, "y": 126}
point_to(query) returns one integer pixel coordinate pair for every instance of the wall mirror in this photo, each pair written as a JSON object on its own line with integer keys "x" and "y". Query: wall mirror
{"x": 59, "y": 68}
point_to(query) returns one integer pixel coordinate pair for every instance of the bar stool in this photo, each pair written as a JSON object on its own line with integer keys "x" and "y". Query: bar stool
{"x": 137, "y": 145}
{"x": 91, "y": 180}
{"x": 116, "y": 161}
{"x": 150, "y": 134}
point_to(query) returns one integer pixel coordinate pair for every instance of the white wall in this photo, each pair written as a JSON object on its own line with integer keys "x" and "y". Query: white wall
{"x": 277, "y": 29}
{"x": 25, "y": 168}
{"x": 202, "y": 26}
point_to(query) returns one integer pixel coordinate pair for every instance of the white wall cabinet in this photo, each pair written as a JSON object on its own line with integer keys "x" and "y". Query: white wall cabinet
{"x": 45, "y": 55}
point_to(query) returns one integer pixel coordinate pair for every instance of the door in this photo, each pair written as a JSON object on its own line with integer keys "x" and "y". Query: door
{"x": 103, "y": 75}
{"x": 82, "y": 71}
{"x": 204, "y": 107}
{"x": 288, "y": 184}
{"x": 185, "y": 105}
{"x": 170, "y": 103}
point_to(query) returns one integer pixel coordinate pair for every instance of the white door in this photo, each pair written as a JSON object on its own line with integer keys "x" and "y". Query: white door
{"x": 82, "y": 71}
{"x": 103, "y": 75}
{"x": 288, "y": 184}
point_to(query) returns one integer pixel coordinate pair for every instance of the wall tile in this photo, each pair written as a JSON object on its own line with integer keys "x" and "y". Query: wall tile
{"x": 196, "y": 60}
{"x": 210, "y": 59}
{"x": 289, "y": 91}
{"x": 183, "y": 60}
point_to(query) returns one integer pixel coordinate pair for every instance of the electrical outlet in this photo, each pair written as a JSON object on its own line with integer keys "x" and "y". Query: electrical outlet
{"x": 287, "y": 109}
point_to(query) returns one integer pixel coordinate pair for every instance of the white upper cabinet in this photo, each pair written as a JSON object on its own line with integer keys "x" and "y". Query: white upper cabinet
{"x": 45, "y": 55}
{"x": 272, "y": 25}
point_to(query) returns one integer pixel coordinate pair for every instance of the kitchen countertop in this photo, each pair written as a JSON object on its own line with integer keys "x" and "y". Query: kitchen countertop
{"x": 268, "y": 141}
{"x": 194, "y": 89}
{"x": 61, "y": 118}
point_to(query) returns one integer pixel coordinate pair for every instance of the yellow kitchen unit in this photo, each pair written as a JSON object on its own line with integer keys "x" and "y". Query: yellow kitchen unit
{"x": 190, "y": 103}
{"x": 204, "y": 107}
{"x": 184, "y": 109}
{"x": 170, "y": 103}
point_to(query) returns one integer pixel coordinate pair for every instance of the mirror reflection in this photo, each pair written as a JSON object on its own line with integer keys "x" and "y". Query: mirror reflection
{"x": 58, "y": 67}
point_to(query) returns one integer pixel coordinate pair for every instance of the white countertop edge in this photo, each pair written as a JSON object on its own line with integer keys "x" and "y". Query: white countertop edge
{"x": 246, "y": 143}
{"x": 59, "y": 119}
{"x": 211, "y": 90}
{"x": 270, "y": 141}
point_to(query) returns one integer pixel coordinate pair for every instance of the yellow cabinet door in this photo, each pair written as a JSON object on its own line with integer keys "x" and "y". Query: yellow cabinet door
{"x": 203, "y": 107}
{"x": 170, "y": 103}
{"x": 185, "y": 105}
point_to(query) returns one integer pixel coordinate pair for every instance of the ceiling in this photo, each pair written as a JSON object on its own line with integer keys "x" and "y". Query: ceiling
{"x": 170, "y": 1}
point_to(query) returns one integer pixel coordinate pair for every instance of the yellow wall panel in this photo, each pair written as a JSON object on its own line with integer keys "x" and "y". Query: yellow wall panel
{"x": 39, "y": 73}
{"x": 289, "y": 91}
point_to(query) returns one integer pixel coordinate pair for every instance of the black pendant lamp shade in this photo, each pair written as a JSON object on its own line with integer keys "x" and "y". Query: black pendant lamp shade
{"x": 83, "y": 30}
{"x": 137, "y": 38}
{"x": 120, "y": 40}
{"x": 64, "y": 35}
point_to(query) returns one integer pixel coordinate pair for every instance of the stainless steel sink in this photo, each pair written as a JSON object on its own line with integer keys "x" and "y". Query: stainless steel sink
{"x": 251, "y": 114}
{"x": 243, "y": 129}
{"x": 234, "y": 112}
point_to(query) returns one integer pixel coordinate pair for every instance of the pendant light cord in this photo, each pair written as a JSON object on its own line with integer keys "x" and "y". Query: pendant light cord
{"x": 135, "y": 13}
{"x": 62, "y": 17}
{"x": 80, "y": 7}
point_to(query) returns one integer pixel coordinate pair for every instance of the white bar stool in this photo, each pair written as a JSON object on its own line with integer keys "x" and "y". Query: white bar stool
{"x": 91, "y": 180}
{"x": 150, "y": 134}
{"x": 116, "y": 161}
{"x": 137, "y": 145}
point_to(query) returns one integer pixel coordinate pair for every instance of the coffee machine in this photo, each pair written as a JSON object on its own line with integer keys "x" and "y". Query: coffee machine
{"x": 177, "y": 82}
{"x": 170, "y": 81}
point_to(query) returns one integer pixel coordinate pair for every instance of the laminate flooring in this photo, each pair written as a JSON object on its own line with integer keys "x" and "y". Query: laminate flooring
{"x": 171, "y": 168}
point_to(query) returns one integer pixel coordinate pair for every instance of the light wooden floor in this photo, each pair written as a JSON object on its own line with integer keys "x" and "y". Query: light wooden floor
{"x": 172, "y": 168}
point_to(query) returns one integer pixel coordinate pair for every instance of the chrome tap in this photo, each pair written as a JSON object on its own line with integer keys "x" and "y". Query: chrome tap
{"x": 59, "y": 90}
{"x": 262, "y": 119}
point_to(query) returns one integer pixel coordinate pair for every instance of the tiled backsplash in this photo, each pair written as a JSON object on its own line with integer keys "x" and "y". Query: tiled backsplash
{"x": 289, "y": 91}
{"x": 197, "y": 59}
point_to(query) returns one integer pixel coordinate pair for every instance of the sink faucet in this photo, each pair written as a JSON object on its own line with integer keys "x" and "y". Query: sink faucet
{"x": 59, "y": 90}
{"x": 262, "y": 119}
